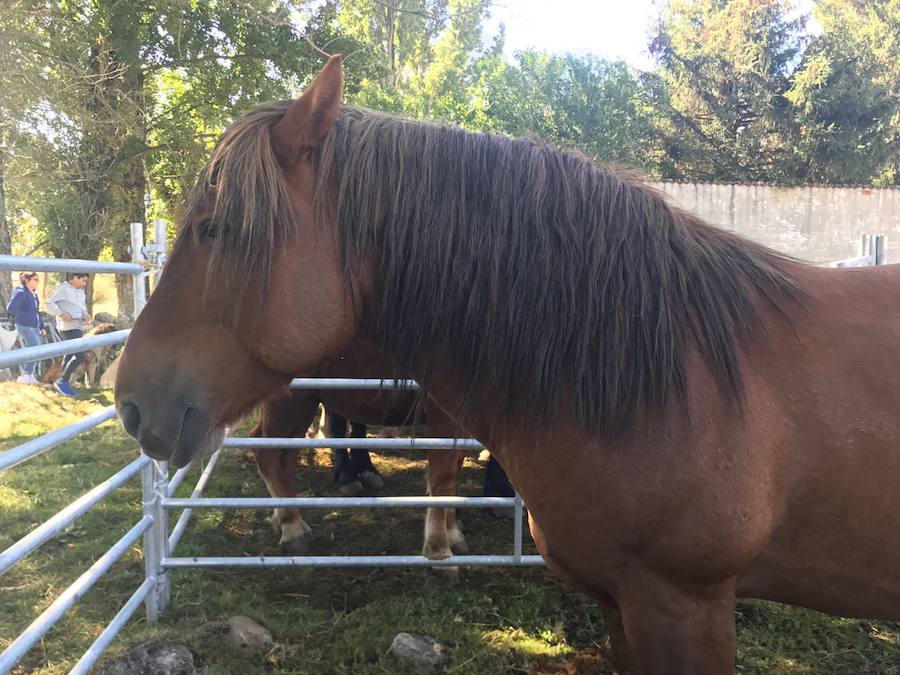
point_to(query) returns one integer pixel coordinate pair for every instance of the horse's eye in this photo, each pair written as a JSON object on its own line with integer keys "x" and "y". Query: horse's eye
{"x": 206, "y": 232}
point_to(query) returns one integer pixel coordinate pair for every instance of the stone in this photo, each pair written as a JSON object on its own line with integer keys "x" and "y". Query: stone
{"x": 245, "y": 633}
{"x": 424, "y": 653}
{"x": 240, "y": 633}
{"x": 157, "y": 657}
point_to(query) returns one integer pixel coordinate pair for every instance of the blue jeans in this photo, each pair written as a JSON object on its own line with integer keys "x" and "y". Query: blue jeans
{"x": 32, "y": 338}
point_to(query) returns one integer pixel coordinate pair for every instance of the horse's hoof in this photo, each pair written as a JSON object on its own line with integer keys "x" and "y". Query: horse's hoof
{"x": 296, "y": 546}
{"x": 460, "y": 547}
{"x": 371, "y": 481}
{"x": 352, "y": 489}
{"x": 295, "y": 537}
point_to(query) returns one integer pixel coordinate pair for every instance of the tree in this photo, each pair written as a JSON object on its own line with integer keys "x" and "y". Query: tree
{"x": 415, "y": 56}
{"x": 6, "y": 286}
{"x": 719, "y": 91}
{"x": 588, "y": 103}
{"x": 847, "y": 94}
{"x": 108, "y": 71}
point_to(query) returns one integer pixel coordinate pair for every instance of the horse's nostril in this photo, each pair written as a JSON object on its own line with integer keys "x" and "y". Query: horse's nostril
{"x": 131, "y": 418}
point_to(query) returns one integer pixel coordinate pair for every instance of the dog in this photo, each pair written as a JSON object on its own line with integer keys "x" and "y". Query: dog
{"x": 87, "y": 369}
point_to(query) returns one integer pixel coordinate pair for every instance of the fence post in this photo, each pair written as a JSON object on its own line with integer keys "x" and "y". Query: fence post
{"x": 160, "y": 247}
{"x": 154, "y": 479}
{"x": 873, "y": 247}
{"x": 137, "y": 256}
{"x": 517, "y": 533}
{"x": 878, "y": 249}
{"x": 154, "y": 476}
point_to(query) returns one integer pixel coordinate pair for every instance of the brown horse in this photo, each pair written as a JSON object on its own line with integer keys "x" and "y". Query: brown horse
{"x": 291, "y": 412}
{"x": 723, "y": 420}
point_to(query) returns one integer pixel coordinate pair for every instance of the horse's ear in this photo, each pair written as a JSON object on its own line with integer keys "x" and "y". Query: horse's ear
{"x": 308, "y": 120}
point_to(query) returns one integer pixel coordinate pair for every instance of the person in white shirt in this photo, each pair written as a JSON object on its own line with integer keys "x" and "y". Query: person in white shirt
{"x": 69, "y": 305}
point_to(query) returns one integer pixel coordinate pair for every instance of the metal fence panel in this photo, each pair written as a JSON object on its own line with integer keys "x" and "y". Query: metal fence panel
{"x": 339, "y": 502}
{"x": 39, "y": 627}
{"x": 355, "y": 561}
{"x": 48, "y": 351}
{"x": 100, "y": 645}
{"x": 41, "y": 444}
{"x": 353, "y": 443}
{"x": 20, "y": 263}
{"x": 69, "y": 514}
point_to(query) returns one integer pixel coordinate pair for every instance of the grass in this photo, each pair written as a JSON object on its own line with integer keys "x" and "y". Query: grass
{"x": 331, "y": 621}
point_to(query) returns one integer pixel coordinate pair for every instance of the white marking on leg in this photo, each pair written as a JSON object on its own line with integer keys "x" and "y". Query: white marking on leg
{"x": 436, "y": 546}
{"x": 293, "y": 530}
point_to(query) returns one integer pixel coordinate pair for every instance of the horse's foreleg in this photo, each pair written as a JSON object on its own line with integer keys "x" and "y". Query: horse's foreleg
{"x": 278, "y": 469}
{"x": 678, "y": 629}
{"x": 293, "y": 528}
{"x": 443, "y": 537}
{"x": 620, "y": 653}
{"x": 454, "y": 531}
{"x": 286, "y": 415}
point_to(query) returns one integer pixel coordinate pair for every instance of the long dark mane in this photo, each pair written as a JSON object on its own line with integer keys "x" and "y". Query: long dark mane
{"x": 546, "y": 278}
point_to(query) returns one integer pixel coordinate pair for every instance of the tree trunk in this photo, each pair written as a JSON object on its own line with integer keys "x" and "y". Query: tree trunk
{"x": 132, "y": 189}
{"x": 116, "y": 155}
{"x": 6, "y": 285}
{"x": 391, "y": 47}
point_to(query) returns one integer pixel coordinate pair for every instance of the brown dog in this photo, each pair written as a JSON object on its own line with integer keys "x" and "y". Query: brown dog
{"x": 88, "y": 368}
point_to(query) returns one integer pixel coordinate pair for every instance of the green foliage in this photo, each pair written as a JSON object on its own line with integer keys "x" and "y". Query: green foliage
{"x": 107, "y": 107}
{"x": 719, "y": 91}
{"x": 847, "y": 94}
{"x": 582, "y": 102}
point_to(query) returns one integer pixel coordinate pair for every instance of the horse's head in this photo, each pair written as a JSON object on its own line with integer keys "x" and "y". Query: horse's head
{"x": 253, "y": 293}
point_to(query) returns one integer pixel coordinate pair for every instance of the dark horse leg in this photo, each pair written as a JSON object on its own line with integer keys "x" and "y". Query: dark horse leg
{"x": 496, "y": 484}
{"x": 345, "y": 479}
{"x": 286, "y": 415}
{"x": 362, "y": 464}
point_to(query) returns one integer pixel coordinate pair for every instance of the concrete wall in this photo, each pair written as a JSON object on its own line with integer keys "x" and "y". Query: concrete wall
{"x": 818, "y": 224}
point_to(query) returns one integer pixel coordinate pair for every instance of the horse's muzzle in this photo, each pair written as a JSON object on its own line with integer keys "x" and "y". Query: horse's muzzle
{"x": 172, "y": 430}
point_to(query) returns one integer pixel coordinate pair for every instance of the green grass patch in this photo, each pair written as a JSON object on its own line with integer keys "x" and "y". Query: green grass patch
{"x": 326, "y": 620}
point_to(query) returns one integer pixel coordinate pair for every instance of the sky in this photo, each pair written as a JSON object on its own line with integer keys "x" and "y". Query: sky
{"x": 613, "y": 29}
{"x": 608, "y": 28}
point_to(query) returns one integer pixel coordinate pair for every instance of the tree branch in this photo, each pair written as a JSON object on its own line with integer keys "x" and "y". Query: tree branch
{"x": 417, "y": 12}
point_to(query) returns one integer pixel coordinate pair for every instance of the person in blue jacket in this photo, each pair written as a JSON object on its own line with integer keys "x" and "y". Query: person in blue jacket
{"x": 23, "y": 307}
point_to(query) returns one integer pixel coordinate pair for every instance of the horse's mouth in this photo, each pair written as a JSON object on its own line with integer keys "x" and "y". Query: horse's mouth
{"x": 195, "y": 434}
{"x": 198, "y": 436}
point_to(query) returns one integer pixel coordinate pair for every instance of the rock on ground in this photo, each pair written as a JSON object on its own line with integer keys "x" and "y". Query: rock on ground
{"x": 157, "y": 657}
{"x": 424, "y": 653}
{"x": 238, "y": 632}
